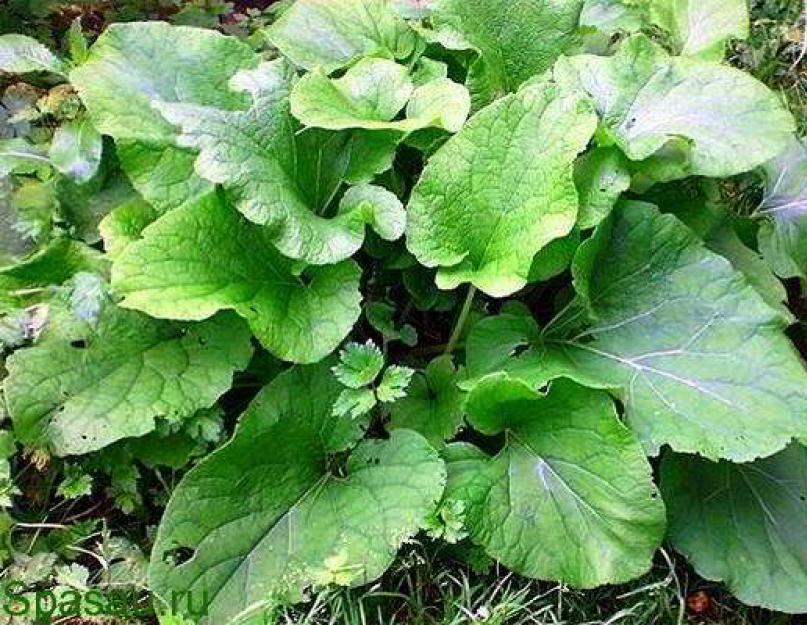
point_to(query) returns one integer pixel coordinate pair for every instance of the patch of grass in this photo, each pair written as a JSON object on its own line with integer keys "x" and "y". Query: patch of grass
{"x": 424, "y": 588}
{"x": 776, "y": 51}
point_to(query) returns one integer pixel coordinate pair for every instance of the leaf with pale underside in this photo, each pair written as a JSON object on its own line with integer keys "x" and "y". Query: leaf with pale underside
{"x": 700, "y": 361}
{"x": 20, "y": 54}
{"x": 701, "y": 28}
{"x": 783, "y": 233}
{"x": 500, "y": 190}
{"x": 570, "y": 496}
{"x": 76, "y": 150}
{"x": 647, "y": 98}
{"x": 292, "y": 522}
{"x": 205, "y": 257}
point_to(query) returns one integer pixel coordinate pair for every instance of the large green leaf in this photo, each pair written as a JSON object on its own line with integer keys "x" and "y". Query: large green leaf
{"x": 699, "y": 359}
{"x": 745, "y": 524}
{"x": 81, "y": 389}
{"x": 570, "y": 497}
{"x": 701, "y": 27}
{"x": 205, "y": 257}
{"x": 646, "y": 98}
{"x": 253, "y": 153}
{"x": 261, "y": 526}
{"x": 515, "y": 39}
{"x": 717, "y": 225}
{"x": 372, "y": 93}
{"x": 500, "y": 190}
{"x": 131, "y": 66}
{"x": 21, "y": 55}
{"x": 331, "y": 35}
{"x": 783, "y": 235}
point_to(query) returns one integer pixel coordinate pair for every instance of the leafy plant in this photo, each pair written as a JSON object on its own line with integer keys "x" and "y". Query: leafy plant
{"x": 199, "y": 222}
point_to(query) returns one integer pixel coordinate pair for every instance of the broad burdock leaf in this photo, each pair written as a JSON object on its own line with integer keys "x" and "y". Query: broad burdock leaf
{"x": 292, "y": 522}
{"x": 372, "y": 93}
{"x": 783, "y": 235}
{"x": 253, "y": 154}
{"x": 79, "y": 390}
{"x": 76, "y": 150}
{"x": 646, "y": 98}
{"x": 700, "y": 361}
{"x": 515, "y": 40}
{"x": 744, "y": 524}
{"x": 433, "y": 405}
{"x": 500, "y": 190}
{"x": 717, "y": 226}
{"x": 570, "y": 496}
{"x": 329, "y": 35}
{"x": 131, "y": 66}
{"x": 205, "y": 257}
{"x": 701, "y": 27}
{"x": 20, "y": 54}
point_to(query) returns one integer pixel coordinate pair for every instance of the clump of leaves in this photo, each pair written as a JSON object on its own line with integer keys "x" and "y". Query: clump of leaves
{"x": 212, "y": 220}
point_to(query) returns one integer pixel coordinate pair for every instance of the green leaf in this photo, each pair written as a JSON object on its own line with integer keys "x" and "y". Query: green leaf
{"x": 130, "y": 67}
{"x": 253, "y": 154}
{"x": 205, "y": 257}
{"x": 783, "y": 235}
{"x": 600, "y": 176}
{"x": 292, "y": 523}
{"x": 500, "y": 189}
{"x": 716, "y": 225}
{"x": 611, "y": 16}
{"x": 555, "y": 258}
{"x": 52, "y": 265}
{"x": 433, "y": 405}
{"x": 22, "y": 55}
{"x": 359, "y": 365}
{"x": 515, "y": 41}
{"x": 701, "y": 27}
{"x": 19, "y": 156}
{"x": 78, "y": 391}
{"x": 394, "y": 383}
{"x": 354, "y": 403}
{"x": 124, "y": 224}
{"x": 701, "y": 362}
{"x": 647, "y": 98}
{"x": 369, "y": 95}
{"x": 743, "y": 524}
{"x": 377, "y": 207}
{"x": 570, "y": 496}
{"x": 372, "y": 93}
{"x": 76, "y": 150}
{"x": 320, "y": 33}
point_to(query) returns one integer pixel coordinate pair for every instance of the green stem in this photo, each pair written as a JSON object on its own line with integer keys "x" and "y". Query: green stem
{"x": 466, "y": 308}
